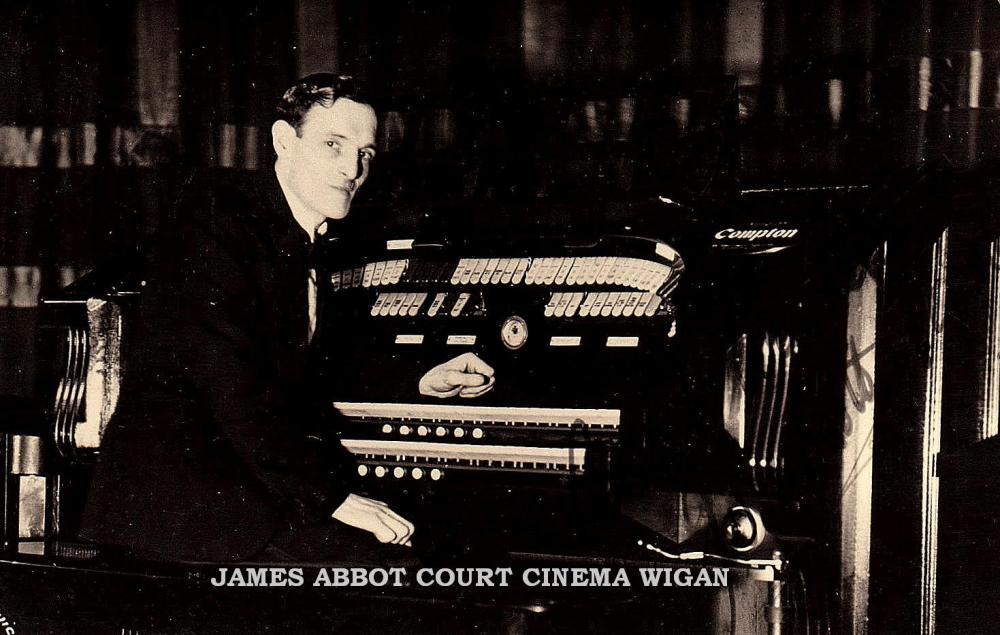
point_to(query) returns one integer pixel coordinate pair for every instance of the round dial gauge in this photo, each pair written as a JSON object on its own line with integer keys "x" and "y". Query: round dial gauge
{"x": 514, "y": 332}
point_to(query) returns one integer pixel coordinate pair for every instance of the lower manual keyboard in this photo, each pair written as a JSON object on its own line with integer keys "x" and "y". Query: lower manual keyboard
{"x": 418, "y": 460}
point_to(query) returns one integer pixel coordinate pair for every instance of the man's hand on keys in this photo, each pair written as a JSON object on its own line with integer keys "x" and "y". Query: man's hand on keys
{"x": 376, "y": 517}
{"x": 465, "y": 376}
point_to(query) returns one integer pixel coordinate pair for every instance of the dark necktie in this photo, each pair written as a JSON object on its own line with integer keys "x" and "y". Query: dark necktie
{"x": 319, "y": 259}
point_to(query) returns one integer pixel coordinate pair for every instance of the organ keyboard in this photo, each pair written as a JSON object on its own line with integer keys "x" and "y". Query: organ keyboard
{"x": 535, "y": 317}
{"x": 414, "y": 457}
{"x": 429, "y": 440}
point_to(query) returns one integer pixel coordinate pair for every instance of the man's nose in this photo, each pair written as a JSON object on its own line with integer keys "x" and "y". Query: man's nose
{"x": 348, "y": 166}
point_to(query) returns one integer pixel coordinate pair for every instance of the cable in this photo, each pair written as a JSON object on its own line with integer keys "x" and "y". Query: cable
{"x": 701, "y": 555}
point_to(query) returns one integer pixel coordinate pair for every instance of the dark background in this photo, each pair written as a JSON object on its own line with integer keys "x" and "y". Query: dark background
{"x": 110, "y": 105}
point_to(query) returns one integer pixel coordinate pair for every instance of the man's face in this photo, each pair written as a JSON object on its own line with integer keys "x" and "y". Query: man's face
{"x": 328, "y": 160}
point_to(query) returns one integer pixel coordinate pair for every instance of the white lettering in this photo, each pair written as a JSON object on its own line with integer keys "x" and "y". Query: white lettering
{"x": 221, "y": 581}
{"x": 750, "y": 235}
{"x": 651, "y": 577}
{"x": 682, "y": 577}
{"x": 429, "y": 580}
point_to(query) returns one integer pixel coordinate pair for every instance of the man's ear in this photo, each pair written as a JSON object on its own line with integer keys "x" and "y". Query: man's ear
{"x": 281, "y": 136}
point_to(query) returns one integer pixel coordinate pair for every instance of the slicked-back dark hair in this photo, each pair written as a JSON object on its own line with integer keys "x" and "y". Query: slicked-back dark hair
{"x": 318, "y": 88}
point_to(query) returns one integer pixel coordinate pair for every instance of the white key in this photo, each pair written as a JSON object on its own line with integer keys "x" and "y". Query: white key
{"x": 378, "y": 273}
{"x": 389, "y": 274}
{"x": 595, "y": 266}
{"x": 640, "y": 307}
{"x": 519, "y": 272}
{"x": 508, "y": 270}
{"x": 646, "y": 279}
{"x": 641, "y": 271}
{"x": 564, "y": 268}
{"x": 535, "y": 271}
{"x": 633, "y": 301}
{"x": 477, "y": 271}
{"x": 456, "y": 275}
{"x": 366, "y": 278}
{"x": 613, "y": 270}
{"x": 602, "y": 297}
{"x": 498, "y": 271}
{"x": 470, "y": 266}
{"x": 397, "y": 302}
{"x": 609, "y": 304}
{"x": 602, "y": 273}
{"x": 436, "y": 304}
{"x": 460, "y": 303}
{"x": 404, "y": 308}
{"x": 562, "y": 304}
{"x": 574, "y": 303}
{"x": 619, "y": 305}
{"x": 484, "y": 275}
{"x": 389, "y": 299}
{"x": 654, "y": 304}
{"x": 550, "y": 308}
{"x": 416, "y": 304}
{"x": 356, "y": 276}
{"x": 575, "y": 270}
{"x": 335, "y": 281}
{"x": 379, "y": 302}
{"x": 490, "y": 269}
{"x": 622, "y": 270}
{"x": 661, "y": 277}
{"x": 553, "y": 270}
{"x": 632, "y": 276}
{"x": 588, "y": 302}
{"x": 399, "y": 269}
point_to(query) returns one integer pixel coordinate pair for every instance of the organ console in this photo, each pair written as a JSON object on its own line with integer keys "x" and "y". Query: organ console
{"x": 671, "y": 382}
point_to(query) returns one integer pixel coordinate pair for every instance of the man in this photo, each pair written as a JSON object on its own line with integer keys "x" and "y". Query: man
{"x": 221, "y": 449}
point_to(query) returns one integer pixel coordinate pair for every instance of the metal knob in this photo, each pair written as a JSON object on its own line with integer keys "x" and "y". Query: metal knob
{"x": 744, "y": 528}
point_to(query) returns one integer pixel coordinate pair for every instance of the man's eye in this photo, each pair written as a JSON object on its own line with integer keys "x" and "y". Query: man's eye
{"x": 332, "y": 144}
{"x": 365, "y": 155}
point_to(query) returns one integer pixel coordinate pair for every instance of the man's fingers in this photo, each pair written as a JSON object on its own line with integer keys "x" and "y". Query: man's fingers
{"x": 373, "y": 502}
{"x": 458, "y": 378}
{"x": 471, "y": 393}
{"x": 399, "y": 530}
{"x": 383, "y": 532}
{"x": 403, "y": 528}
{"x": 473, "y": 363}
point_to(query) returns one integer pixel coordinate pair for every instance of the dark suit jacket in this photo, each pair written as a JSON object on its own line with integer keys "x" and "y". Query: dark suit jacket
{"x": 220, "y": 435}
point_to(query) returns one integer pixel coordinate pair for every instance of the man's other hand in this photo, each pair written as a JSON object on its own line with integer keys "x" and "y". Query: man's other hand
{"x": 465, "y": 376}
{"x": 376, "y": 517}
